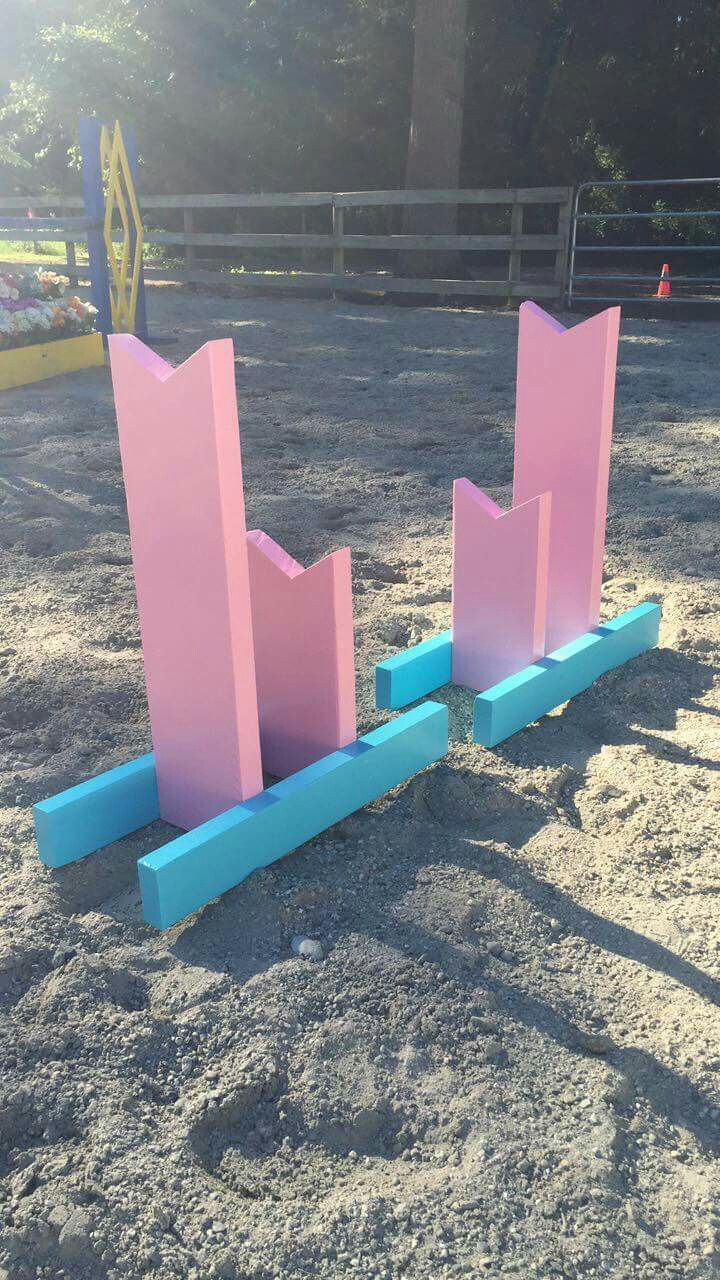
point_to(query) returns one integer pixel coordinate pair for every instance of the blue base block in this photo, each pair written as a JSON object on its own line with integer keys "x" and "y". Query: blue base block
{"x": 531, "y": 693}
{"x": 413, "y": 674}
{"x": 191, "y": 870}
{"x": 83, "y": 819}
{"x": 516, "y": 702}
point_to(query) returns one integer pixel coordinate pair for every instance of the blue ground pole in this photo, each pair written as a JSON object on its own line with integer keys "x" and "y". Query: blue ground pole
{"x": 181, "y": 876}
{"x": 93, "y": 197}
{"x": 522, "y": 698}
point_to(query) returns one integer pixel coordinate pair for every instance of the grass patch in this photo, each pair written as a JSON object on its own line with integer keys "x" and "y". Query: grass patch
{"x": 45, "y": 253}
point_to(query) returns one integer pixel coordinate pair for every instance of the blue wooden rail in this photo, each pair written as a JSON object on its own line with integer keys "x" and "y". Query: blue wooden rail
{"x": 183, "y": 875}
{"x": 94, "y": 201}
{"x": 531, "y": 693}
{"x": 516, "y": 702}
{"x": 190, "y": 871}
{"x": 76, "y": 822}
{"x": 414, "y": 673}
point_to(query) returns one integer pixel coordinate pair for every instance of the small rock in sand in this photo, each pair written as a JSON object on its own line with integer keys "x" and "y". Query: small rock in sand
{"x": 24, "y": 1182}
{"x": 74, "y": 1242}
{"x": 593, "y": 1042}
{"x": 307, "y": 948}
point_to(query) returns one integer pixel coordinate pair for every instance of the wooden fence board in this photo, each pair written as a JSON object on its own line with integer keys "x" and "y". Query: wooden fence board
{"x": 498, "y": 195}
{"x": 10, "y": 223}
{"x": 260, "y": 200}
{"x": 400, "y": 284}
{"x": 242, "y": 240}
{"x": 346, "y": 282}
{"x": 310, "y": 199}
{"x": 11, "y": 233}
{"x": 41, "y": 202}
{"x": 261, "y": 279}
{"x": 549, "y": 243}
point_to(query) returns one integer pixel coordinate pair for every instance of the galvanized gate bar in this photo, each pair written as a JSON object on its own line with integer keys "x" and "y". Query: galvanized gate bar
{"x": 646, "y": 248}
{"x": 640, "y": 216}
{"x": 665, "y": 213}
{"x": 653, "y": 279}
{"x": 603, "y": 297}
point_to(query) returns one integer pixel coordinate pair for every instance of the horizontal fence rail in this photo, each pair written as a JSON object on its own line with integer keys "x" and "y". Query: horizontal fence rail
{"x": 542, "y": 279}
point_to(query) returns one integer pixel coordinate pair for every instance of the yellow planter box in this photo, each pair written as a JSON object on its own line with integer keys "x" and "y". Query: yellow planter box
{"x": 21, "y": 365}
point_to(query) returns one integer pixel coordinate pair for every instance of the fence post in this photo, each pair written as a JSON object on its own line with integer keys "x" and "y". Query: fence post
{"x": 563, "y": 230}
{"x": 70, "y": 254}
{"x": 188, "y": 228}
{"x": 515, "y": 268}
{"x": 338, "y": 220}
{"x": 306, "y": 255}
{"x": 94, "y": 200}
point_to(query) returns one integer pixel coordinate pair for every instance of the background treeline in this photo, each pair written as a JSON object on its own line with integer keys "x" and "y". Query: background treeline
{"x": 231, "y": 95}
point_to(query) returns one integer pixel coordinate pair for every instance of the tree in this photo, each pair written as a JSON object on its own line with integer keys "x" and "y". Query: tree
{"x": 226, "y": 95}
{"x": 436, "y": 124}
{"x": 279, "y": 95}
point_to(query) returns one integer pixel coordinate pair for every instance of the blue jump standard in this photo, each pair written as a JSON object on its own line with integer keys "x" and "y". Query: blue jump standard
{"x": 520, "y": 699}
{"x": 188, "y": 872}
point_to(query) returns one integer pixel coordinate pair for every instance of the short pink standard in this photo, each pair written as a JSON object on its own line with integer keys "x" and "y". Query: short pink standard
{"x": 304, "y": 654}
{"x": 500, "y": 564}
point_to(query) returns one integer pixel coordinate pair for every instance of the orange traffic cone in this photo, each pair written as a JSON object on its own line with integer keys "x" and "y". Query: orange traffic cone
{"x": 663, "y": 289}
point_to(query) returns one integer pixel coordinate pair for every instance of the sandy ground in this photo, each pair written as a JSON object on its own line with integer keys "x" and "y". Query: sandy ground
{"x": 507, "y": 1064}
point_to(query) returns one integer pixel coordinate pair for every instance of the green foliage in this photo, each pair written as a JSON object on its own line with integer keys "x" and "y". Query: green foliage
{"x": 230, "y": 95}
{"x": 577, "y": 90}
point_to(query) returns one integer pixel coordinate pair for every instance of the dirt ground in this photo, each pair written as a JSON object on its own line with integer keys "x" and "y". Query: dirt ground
{"x": 508, "y": 1061}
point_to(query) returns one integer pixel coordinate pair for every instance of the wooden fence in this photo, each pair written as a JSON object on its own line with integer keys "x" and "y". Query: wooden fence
{"x": 516, "y": 245}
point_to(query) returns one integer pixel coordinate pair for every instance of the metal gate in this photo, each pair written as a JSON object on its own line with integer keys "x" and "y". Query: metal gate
{"x": 707, "y": 284}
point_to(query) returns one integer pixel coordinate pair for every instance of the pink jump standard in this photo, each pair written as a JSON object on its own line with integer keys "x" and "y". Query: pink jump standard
{"x": 527, "y": 582}
{"x": 304, "y": 654}
{"x": 229, "y": 623}
{"x": 499, "y": 586}
{"x": 180, "y": 449}
{"x": 563, "y": 431}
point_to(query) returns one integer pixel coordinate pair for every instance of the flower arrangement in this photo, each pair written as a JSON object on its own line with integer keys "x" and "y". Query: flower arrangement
{"x": 34, "y": 308}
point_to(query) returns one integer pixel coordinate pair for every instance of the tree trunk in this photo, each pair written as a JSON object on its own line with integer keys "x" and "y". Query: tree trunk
{"x": 553, "y": 38}
{"x": 436, "y": 118}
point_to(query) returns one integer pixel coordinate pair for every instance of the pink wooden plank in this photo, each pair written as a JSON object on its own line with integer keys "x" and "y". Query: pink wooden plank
{"x": 180, "y": 449}
{"x": 563, "y": 429}
{"x": 304, "y": 654}
{"x": 499, "y": 585}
